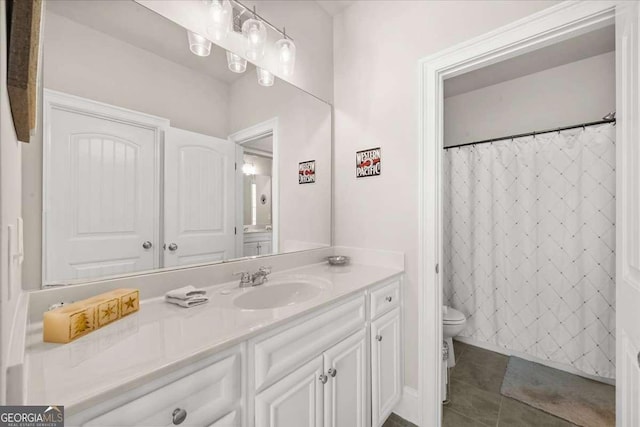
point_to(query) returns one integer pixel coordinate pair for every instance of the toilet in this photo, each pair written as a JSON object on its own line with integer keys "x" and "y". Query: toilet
{"x": 453, "y": 322}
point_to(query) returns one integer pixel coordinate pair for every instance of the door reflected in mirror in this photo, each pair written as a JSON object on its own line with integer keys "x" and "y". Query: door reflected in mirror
{"x": 153, "y": 157}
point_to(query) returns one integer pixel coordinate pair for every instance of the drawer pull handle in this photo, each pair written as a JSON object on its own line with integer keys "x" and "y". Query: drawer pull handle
{"x": 388, "y": 299}
{"x": 179, "y": 415}
{"x": 323, "y": 378}
{"x": 333, "y": 372}
{"x": 379, "y": 337}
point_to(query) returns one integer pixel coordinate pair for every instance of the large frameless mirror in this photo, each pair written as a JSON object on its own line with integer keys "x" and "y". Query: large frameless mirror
{"x": 154, "y": 156}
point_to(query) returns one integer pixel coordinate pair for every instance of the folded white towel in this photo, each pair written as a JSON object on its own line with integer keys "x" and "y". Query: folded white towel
{"x": 186, "y": 293}
{"x": 190, "y": 302}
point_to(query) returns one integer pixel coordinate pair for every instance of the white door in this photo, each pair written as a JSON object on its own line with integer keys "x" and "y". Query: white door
{"x": 345, "y": 393}
{"x": 199, "y": 198}
{"x": 385, "y": 366}
{"x": 294, "y": 401}
{"x": 101, "y": 201}
{"x": 628, "y": 215}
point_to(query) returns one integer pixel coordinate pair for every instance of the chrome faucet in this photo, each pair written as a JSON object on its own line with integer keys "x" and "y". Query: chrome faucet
{"x": 258, "y": 278}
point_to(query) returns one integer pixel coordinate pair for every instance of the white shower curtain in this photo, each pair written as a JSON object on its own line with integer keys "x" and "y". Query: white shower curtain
{"x": 529, "y": 245}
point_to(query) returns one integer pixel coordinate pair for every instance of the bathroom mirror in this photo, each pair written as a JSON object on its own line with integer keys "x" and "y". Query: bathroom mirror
{"x": 152, "y": 156}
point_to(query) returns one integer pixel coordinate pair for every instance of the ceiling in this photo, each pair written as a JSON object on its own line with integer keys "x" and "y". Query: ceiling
{"x": 584, "y": 46}
{"x": 334, "y": 7}
{"x": 132, "y": 23}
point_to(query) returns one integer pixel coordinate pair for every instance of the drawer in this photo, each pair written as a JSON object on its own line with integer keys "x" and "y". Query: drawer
{"x": 206, "y": 395}
{"x": 385, "y": 298}
{"x": 282, "y": 352}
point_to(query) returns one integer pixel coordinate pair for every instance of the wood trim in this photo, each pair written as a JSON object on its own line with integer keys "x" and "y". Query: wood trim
{"x": 22, "y": 64}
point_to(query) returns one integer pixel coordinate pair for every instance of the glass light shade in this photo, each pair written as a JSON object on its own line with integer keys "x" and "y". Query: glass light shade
{"x": 265, "y": 78}
{"x": 236, "y": 63}
{"x": 249, "y": 169}
{"x": 199, "y": 45}
{"x": 255, "y": 34}
{"x": 219, "y": 19}
{"x": 286, "y": 56}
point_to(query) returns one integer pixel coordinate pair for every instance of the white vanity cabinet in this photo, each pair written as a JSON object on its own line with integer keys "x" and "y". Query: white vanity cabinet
{"x": 329, "y": 391}
{"x": 385, "y": 366}
{"x": 257, "y": 243}
{"x": 206, "y": 393}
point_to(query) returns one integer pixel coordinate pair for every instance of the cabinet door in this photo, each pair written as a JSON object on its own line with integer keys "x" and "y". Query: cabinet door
{"x": 250, "y": 249}
{"x": 294, "y": 401}
{"x": 385, "y": 366}
{"x": 345, "y": 396}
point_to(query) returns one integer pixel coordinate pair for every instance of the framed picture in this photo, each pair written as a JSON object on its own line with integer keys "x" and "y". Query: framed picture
{"x": 307, "y": 172}
{"x": 368, "y": 163}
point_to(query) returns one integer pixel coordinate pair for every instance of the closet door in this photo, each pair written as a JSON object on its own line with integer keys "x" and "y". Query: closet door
{"x": 628, "y": 214}
{"x": 199, "y": 198}
{"x": 101, "y": 199}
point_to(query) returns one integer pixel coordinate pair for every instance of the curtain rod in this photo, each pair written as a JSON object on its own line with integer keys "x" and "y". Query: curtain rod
{"x": 502, "y": 138}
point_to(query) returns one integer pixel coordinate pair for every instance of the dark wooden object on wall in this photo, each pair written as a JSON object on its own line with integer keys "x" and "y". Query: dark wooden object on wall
{"x": 23, "y": 18}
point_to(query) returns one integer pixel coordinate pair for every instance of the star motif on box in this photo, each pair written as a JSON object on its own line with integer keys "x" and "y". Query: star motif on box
{"x": 130, "y": 302}
{"x": 109, "y": 311}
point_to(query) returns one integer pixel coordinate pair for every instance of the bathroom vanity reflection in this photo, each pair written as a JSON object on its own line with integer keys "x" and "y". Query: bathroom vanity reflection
{"x": 146, "y": 148}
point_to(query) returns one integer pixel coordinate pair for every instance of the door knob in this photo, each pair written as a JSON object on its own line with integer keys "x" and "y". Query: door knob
{"x": 147, "y": 245}
{"x": 332, "y": 372}
{"x": 323, "y": 378}
{"x": 179, "y": 415}
{"x": 173, "y": 247}
{"x": 379, "y": 337}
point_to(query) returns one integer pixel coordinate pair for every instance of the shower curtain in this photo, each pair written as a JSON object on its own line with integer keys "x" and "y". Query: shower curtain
{"x": 529, "y": 245}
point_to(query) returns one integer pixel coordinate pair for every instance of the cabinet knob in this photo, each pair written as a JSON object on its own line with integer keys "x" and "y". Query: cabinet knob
{"x": 379, "y": 337}
{"x": 332, "y": 372}
{"x": 388, "y": 299}
{"x": 173, "y": 247}
{"x": 323, "y": 378}
{"x": 147, "y": 245}
{"x": 179, "y": 415}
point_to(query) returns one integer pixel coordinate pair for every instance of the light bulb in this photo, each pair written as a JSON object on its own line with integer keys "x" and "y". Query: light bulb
{"x": 236, "y": 63}
{"x": 219, "y": 19}
{"x": 198, "y": 44}
{"x": 265, "y": 77}
{"x": 255, "y": 34}
{"x": 286, "y": 56}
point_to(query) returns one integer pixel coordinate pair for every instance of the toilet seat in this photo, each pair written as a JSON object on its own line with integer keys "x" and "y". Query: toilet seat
{"x": 451, "y": 316}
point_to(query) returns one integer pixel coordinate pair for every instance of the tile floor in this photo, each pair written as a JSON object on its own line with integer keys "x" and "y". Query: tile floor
{"x": 476, "y": 399}
{"x": 475, "y": 394}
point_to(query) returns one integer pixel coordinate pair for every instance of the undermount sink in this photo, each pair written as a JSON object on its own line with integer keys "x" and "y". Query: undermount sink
{"x": 280, "y": 294}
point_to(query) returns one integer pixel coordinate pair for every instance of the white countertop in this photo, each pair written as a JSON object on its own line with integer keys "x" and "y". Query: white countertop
{"x": 162, "y": 337}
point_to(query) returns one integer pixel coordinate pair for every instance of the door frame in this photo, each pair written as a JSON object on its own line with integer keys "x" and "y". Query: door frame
{"x": 549, "y": 26}
{"x": 63, "y": 101}
{"x": 262, "y": 129}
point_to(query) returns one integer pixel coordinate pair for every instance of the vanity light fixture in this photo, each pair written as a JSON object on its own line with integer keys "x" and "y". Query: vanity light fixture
{"x": 286, "y": 55}
{"x": 255, "y": 34}
{"x": 249, "y": 169}
{"x": 236, "y": 63}
{"x": 265, "y": 77}
{"x": 198, "y": 44}
{"x": 219, "y": 19}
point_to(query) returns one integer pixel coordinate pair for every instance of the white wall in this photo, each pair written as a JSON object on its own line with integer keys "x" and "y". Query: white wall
{"x": 574, "y": 93}
{"x": 376, "y": 48}
{"x": 10, "y": 209}
{"x": 304, "y": 125}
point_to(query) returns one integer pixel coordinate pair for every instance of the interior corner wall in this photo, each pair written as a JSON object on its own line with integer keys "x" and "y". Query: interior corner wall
{"x": 377, "y": 46}
{"x": 10, "y": 209}
{"x": 579, "y": 92}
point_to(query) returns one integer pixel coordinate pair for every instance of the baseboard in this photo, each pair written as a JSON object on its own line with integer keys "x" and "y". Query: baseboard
{"x": 525, "y": 356}
{"x": 409, "y": 405}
